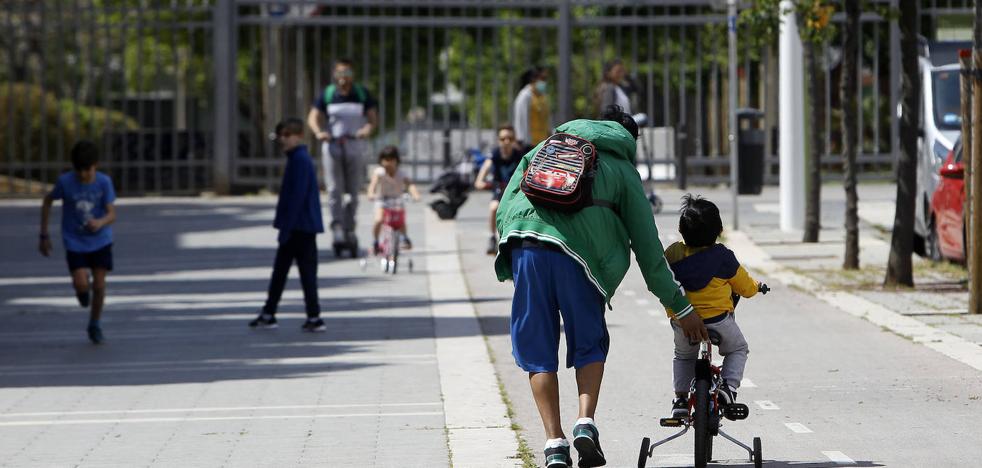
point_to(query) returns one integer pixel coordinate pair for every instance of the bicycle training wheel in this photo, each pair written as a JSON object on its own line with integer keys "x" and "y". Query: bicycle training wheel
{"x": 758, "y": 457}
{"x": 643, "y": 456}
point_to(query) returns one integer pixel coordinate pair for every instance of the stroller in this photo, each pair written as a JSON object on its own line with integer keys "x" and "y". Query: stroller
{"x": 453, "y": 187}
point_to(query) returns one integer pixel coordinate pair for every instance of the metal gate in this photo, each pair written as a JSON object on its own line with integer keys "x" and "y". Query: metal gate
{"x": 181, "y": 94}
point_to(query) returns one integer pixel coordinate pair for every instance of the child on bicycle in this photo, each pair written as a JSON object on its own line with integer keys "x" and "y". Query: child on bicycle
{"x": 389, "y": 182}
{"x": 711, "y": 275}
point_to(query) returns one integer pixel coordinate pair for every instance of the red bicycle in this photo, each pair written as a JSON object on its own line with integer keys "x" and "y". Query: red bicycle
{"x": 705, "y": 412}
{"x": 390, "y": 238}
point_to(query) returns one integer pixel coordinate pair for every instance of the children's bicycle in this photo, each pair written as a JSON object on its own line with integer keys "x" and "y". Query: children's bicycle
{"x": 705, "y": 412}
{"x": 390, "y": 238}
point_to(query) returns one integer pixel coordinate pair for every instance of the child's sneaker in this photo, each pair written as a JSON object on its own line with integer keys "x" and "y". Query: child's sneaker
{"x": 314, "y": 325}
{"x": 558, "y": 457}
{"x": 95, "y": 334}
{"x": 83, "y": 299}
{"x": 264, "y": 321}
{"x": 586, "y": 439}
{"x": 680, "y": 408}
{"x": 726, "y": 395}
{"x": 375, "y": 249}
{"x": 406, "y": 243}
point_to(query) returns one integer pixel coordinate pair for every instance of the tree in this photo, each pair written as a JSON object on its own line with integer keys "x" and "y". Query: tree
{"x": 899, "y": 265}
{"x": 847, "y": 91}
{"x": 816, "y": 31}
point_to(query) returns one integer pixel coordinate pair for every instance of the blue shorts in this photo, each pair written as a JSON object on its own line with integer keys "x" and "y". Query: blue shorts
{"x": 102, "y": 258}
{"x": 549, "y": 283}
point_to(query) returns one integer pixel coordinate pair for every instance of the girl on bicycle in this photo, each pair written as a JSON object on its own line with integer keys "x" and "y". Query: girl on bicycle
{"x": 388, "y": 183}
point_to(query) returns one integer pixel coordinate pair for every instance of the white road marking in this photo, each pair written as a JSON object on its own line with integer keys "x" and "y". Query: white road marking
{"x": 767, "y": 405}
{"x": 747, "y": 383}
{"x": 798, "y": 428}
{"x": 65, "y": 422}
{"x": 838, "y": 457}
{"x": 216, "y": 409}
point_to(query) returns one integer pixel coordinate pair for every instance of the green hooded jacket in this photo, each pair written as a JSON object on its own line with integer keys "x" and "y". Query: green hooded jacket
{"x": 598, "y": 238}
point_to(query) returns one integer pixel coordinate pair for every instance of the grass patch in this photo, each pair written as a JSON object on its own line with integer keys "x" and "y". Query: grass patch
{"x": 524, "y": 452}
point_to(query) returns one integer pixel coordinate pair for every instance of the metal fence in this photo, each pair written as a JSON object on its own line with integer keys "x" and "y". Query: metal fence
{"x": 181, "y": 94}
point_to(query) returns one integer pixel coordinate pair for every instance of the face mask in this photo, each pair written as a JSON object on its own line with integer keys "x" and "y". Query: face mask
{"x": 541, "y": 87}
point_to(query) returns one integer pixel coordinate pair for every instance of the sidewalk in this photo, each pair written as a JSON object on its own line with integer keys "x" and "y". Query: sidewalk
{"x": 182, "y": 381}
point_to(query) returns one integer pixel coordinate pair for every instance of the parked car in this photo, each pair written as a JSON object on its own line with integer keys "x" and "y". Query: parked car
{"x": 946, "y": 240}
{"x": 940, "y": 126}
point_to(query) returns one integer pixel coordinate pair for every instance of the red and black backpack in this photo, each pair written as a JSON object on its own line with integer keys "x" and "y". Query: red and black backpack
{"x": 561, "y": 173}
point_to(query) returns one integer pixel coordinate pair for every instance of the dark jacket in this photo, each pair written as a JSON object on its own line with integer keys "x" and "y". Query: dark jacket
{"x": 299, "y": 204}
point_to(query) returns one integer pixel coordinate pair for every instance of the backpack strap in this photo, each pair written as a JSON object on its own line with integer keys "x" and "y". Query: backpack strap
{"x": 607, "y": 204}
{"x": 360, "y": 92}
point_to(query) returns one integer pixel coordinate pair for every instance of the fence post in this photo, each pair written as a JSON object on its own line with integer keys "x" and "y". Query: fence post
{"x": 224, "y": 51}
{"x": 565, "y": 68}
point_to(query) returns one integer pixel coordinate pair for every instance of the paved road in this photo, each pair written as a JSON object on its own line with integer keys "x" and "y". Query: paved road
{"x": 825, "y": 387}
{"x": 181, "y": 380}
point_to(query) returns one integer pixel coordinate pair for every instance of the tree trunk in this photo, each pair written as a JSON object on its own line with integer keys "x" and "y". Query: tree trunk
{"x": 847, "y": 91}
{"x": 899, "y": 267}
{"x": 816, "y": 92}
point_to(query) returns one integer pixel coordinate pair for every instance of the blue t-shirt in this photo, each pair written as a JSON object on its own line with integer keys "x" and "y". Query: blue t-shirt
{"x": 81, "y": 203}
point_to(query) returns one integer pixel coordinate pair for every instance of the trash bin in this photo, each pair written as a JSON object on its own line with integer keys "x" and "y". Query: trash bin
{"x": 750, "y": 178}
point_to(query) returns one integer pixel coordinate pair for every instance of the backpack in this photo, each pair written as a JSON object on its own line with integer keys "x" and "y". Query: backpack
{"x": 560, "y": 174}
{"x": 360, "y": 92}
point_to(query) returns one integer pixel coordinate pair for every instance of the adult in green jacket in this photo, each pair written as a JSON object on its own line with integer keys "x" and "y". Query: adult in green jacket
{"x": 571, "y": 264}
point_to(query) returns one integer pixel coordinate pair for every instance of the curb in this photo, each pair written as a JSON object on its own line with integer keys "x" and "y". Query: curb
{"x": 478, "y": 428}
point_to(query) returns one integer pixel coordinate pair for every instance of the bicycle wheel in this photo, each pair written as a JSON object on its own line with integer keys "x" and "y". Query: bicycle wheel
{"x": 395, "y": 251}
{"x": 758, "y": 456}
{"x": 643, "y": 456}
{"x": 703, "y": 437}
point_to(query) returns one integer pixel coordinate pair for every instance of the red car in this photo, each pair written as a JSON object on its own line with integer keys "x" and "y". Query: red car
{"x": 946, "y": 238}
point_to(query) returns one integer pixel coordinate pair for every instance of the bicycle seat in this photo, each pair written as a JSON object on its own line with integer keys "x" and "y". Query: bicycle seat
{"x": 714, "y": 338}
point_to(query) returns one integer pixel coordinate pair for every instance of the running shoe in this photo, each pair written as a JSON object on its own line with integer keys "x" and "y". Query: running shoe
{"x": 726, "y": 396}
{"x": 558, "y": 457}
{"x": 264, "y": 321}
{"x": 492, "y": 246}
{"x": 95, "y": 334}
{"x": 314, "y": 325}
{"x": 83, "y": 299}
{"x": 680, "y": 408}
{"x": 586, "y": 439}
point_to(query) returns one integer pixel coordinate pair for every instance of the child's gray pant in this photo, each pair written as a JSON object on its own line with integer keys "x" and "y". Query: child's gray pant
{"x": 732, "y": 346}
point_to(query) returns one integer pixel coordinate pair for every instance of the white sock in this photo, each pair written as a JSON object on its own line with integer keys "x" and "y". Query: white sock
{"x": 585, "y": 421}
{"x": 553, "y": 443}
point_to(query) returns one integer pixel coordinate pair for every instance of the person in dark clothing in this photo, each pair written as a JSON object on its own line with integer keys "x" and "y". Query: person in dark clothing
{"x": 500, "y": 167}
{"x": 298, "y": 218}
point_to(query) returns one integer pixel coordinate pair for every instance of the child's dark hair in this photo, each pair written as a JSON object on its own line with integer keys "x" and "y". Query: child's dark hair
{"x": 700, "y": 224}
{"x": 85, "y": 154}
{"x": 290, "y": 126}
{"x": 614, "y": 113}
{"x": 389, "y": 152}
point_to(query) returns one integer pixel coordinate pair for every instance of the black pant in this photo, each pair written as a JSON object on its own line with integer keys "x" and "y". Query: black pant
{"x": 302, "y": 247}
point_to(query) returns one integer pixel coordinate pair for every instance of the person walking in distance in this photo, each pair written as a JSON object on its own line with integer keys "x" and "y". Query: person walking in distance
{"x": 533, "y": 117}
{"x": 298, "y": 219}
{"x": 342, "y": 117}
{"x": 610, "y": 91}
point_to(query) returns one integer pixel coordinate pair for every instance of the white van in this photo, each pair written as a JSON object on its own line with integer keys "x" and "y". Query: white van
{"x": 940, "y": 127}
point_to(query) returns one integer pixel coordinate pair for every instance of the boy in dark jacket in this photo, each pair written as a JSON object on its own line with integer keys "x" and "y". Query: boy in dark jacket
{"x": 298, "y": 218}
{"x": 711, "y": 275}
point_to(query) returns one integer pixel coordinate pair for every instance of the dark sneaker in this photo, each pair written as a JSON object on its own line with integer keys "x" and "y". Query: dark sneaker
{"x": 492, "y": 246}
{"x": 316, "y": 325}
{"x": 680, "y": 408}
{"x": 558, "y": 457}
{"x": 264, "y": 321}
{"x": 586, "y": 439}
{"x": 406, "y": 243}
{"x": 95, "y": 334}
{"x": 726, "y": 395}
{"x": 375, "y": 249}
{"x": 83, "y": 299}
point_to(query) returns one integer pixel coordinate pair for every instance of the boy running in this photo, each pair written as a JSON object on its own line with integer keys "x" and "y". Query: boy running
{"x": 87, "y": 211}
